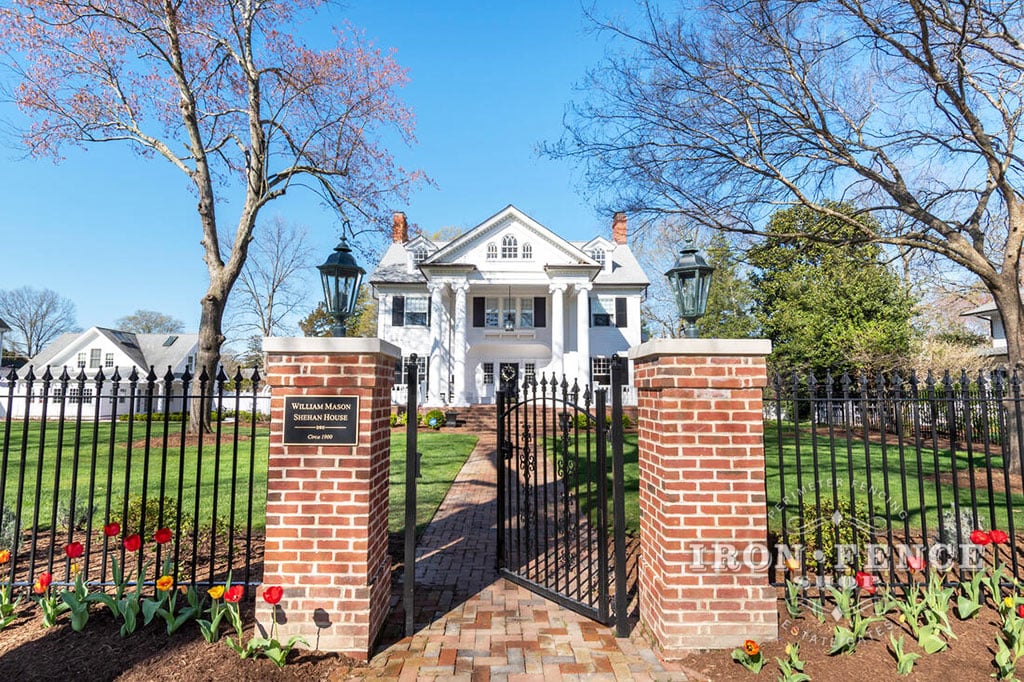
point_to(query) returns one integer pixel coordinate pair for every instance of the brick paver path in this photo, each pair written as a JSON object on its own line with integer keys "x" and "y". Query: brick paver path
{"x": 473, "y": 625}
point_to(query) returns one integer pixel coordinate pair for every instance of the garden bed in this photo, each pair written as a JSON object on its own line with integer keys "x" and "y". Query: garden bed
{"x": 968, "y": 658}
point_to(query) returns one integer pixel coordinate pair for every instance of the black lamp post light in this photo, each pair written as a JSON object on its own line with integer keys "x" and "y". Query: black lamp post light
{"x": 690, "y": 279}
{"x": 341, "y": 277}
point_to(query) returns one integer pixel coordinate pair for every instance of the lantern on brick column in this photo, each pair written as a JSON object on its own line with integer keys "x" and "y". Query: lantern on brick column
{"x": 341, "y": 277}
{"x": 690, "y": 279}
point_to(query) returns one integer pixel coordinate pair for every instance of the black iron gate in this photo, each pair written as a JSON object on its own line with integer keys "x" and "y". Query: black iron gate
{"x": 554, "y": 532}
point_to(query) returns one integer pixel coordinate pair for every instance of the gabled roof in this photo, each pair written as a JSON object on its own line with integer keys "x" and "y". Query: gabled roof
{"x": 497, "y": 222}
{"x": 394, "y": 267}
{"x": 985, "y": 310}
{"x": 142, "y": 350}
{"x": 4, "y": 327}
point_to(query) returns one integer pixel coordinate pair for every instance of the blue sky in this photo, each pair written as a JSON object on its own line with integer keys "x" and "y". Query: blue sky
{"x": 488, "y": 82}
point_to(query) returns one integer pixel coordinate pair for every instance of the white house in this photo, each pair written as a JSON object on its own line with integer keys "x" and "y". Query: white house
{"x": 997, "y": 333}
{"x": 507, "y": 300}
{"x": 108, "y": 350}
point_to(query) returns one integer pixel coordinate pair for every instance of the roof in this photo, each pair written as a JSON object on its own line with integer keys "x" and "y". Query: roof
{"x": 986, "y": 310}
{"x": 394, "y": 265}
{"x": 4, "y": 327}
{"x": 142, "y": 350}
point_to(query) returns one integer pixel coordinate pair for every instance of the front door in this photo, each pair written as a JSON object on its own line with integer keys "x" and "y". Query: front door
{"x": 509, "y": 374}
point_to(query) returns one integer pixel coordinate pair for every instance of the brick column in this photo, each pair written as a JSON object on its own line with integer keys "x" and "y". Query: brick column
{"x": 702, "y": 493}
{"x": 327, "y": 505}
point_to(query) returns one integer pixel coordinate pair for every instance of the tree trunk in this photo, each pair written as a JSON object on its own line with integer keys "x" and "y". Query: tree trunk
{"x": 211, "y": 338}
{"x": 1011, "y": 310}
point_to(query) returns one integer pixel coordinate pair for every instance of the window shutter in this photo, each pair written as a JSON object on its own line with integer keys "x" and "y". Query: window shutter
{"x": 540, "y": 318}
{"x": 398, "y": 311}
{"x": 620, "y": 312}
{"x": 478, "y": 311}
{"x": 590, "y": 311}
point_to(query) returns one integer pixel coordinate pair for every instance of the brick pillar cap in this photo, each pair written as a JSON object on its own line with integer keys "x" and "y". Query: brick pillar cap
{"x": 701, "y": 347}
{"x": 346, "y": 345}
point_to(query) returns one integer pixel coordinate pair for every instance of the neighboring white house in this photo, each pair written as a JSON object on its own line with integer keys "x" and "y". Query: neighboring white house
{"x": 509, "y": 298}
{"x": 108, "y": 350}
{"x": 997, "y": 333}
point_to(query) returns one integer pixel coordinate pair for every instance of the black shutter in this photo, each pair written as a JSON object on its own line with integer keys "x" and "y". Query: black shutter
{"x": 620, "y": 312}
{"x": 590, "y": 311}
{"x": 540, "y": 317}
{"x": 398, "y": 311}
{"x": 478, "y": 311}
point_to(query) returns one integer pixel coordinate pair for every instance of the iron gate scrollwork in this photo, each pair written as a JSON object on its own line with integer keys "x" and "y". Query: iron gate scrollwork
{"x": 553, "y": 484}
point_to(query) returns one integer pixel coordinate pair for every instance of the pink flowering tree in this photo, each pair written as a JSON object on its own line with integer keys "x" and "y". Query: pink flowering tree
{"x": 226, "y": 93}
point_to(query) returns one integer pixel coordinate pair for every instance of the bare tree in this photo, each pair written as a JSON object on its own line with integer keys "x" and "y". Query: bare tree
{"x": 227, "y": 94}
{"x": 274, "y": 279}
{"x": 37, "y": 316}
{"x": 908, "y": 110}
{"x": 150, "y": 322}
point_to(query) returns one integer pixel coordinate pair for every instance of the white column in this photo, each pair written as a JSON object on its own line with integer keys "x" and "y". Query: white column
{"x": 459, "y": 343}
{"x": 557, "y": 327}
{"x": 583, "y": 332}
{"x": 436, "y": 381}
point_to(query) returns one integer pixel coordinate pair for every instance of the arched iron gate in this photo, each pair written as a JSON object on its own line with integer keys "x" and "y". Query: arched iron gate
{"x": 555, "y": 536}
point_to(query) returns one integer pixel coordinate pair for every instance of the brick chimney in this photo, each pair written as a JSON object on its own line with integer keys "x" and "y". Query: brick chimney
{"x": 399, "y": 228}
{"x": 619, "y": 228}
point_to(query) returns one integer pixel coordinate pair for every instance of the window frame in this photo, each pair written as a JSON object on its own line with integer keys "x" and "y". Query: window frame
{"x": 606, "y": 370}
{"x": 509, "y": 247}
{"x": 492, "y": 312}
{"x": 424, "y": 315}
{"x": 524, "y": 303}
{"x": 488, "y": 371}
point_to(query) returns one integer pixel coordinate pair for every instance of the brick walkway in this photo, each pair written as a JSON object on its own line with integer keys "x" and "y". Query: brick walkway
{"x": 473, "y": 625}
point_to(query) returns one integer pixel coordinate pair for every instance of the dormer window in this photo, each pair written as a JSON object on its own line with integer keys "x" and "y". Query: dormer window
{"x": 527, "y": 251}
{"x": 492, "y": 251}
{"x": 419, "y": 254}
{"x": 509, "y": 247}
{"x": 599, "y": 256}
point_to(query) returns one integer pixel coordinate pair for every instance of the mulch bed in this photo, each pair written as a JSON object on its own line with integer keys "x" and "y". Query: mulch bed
{"x": 31, "y": 652}
{"x": 968, "y": 658}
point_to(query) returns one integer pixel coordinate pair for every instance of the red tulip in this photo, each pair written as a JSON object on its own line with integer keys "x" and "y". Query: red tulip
{"x": 45, "y": 579}
{"x": 272, "y": 595}
{"x": 112, "y": 529}
{"x": 74, "y": 550}
{"x": 998, "y": 537}
{"x": 234, "y": 595}
{"x": 1020, "y": 610}
{"x": 916, "y": 563}
{"x": 866, "y": 582}
{"x": 980, "y": 537}
{"x": 162, "y": 536}
{"x": 133, "y": 542}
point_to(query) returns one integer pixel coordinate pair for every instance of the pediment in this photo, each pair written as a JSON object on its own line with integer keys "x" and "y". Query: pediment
{"x": 482, "y": 245}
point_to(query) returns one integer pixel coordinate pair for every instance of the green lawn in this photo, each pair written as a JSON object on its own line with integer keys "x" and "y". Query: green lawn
{"x": 918, "y": 493}
{"x": 103, "y": 455}
{"x": 444, "y": 453}
{"x": 631, "y": 480}
{"x": 443, "y": 456}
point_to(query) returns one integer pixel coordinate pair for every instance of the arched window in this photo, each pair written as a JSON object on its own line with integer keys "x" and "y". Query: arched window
{"x": 492, "y": 251}
{"x": 419, "y": 254}
{"x": 527, "y": 251}
{"x": 598, "y": 255}
{"x": 509, "y": 247}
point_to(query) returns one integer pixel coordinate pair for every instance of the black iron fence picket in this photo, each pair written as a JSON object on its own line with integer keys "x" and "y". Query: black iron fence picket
{"x": 79, "y": 454}
{"x": 869, "y": 470}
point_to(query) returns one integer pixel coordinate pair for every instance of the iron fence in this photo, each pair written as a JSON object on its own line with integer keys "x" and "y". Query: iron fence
{"x": 94, "y": 459}
{"x": 864, "y": 472}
